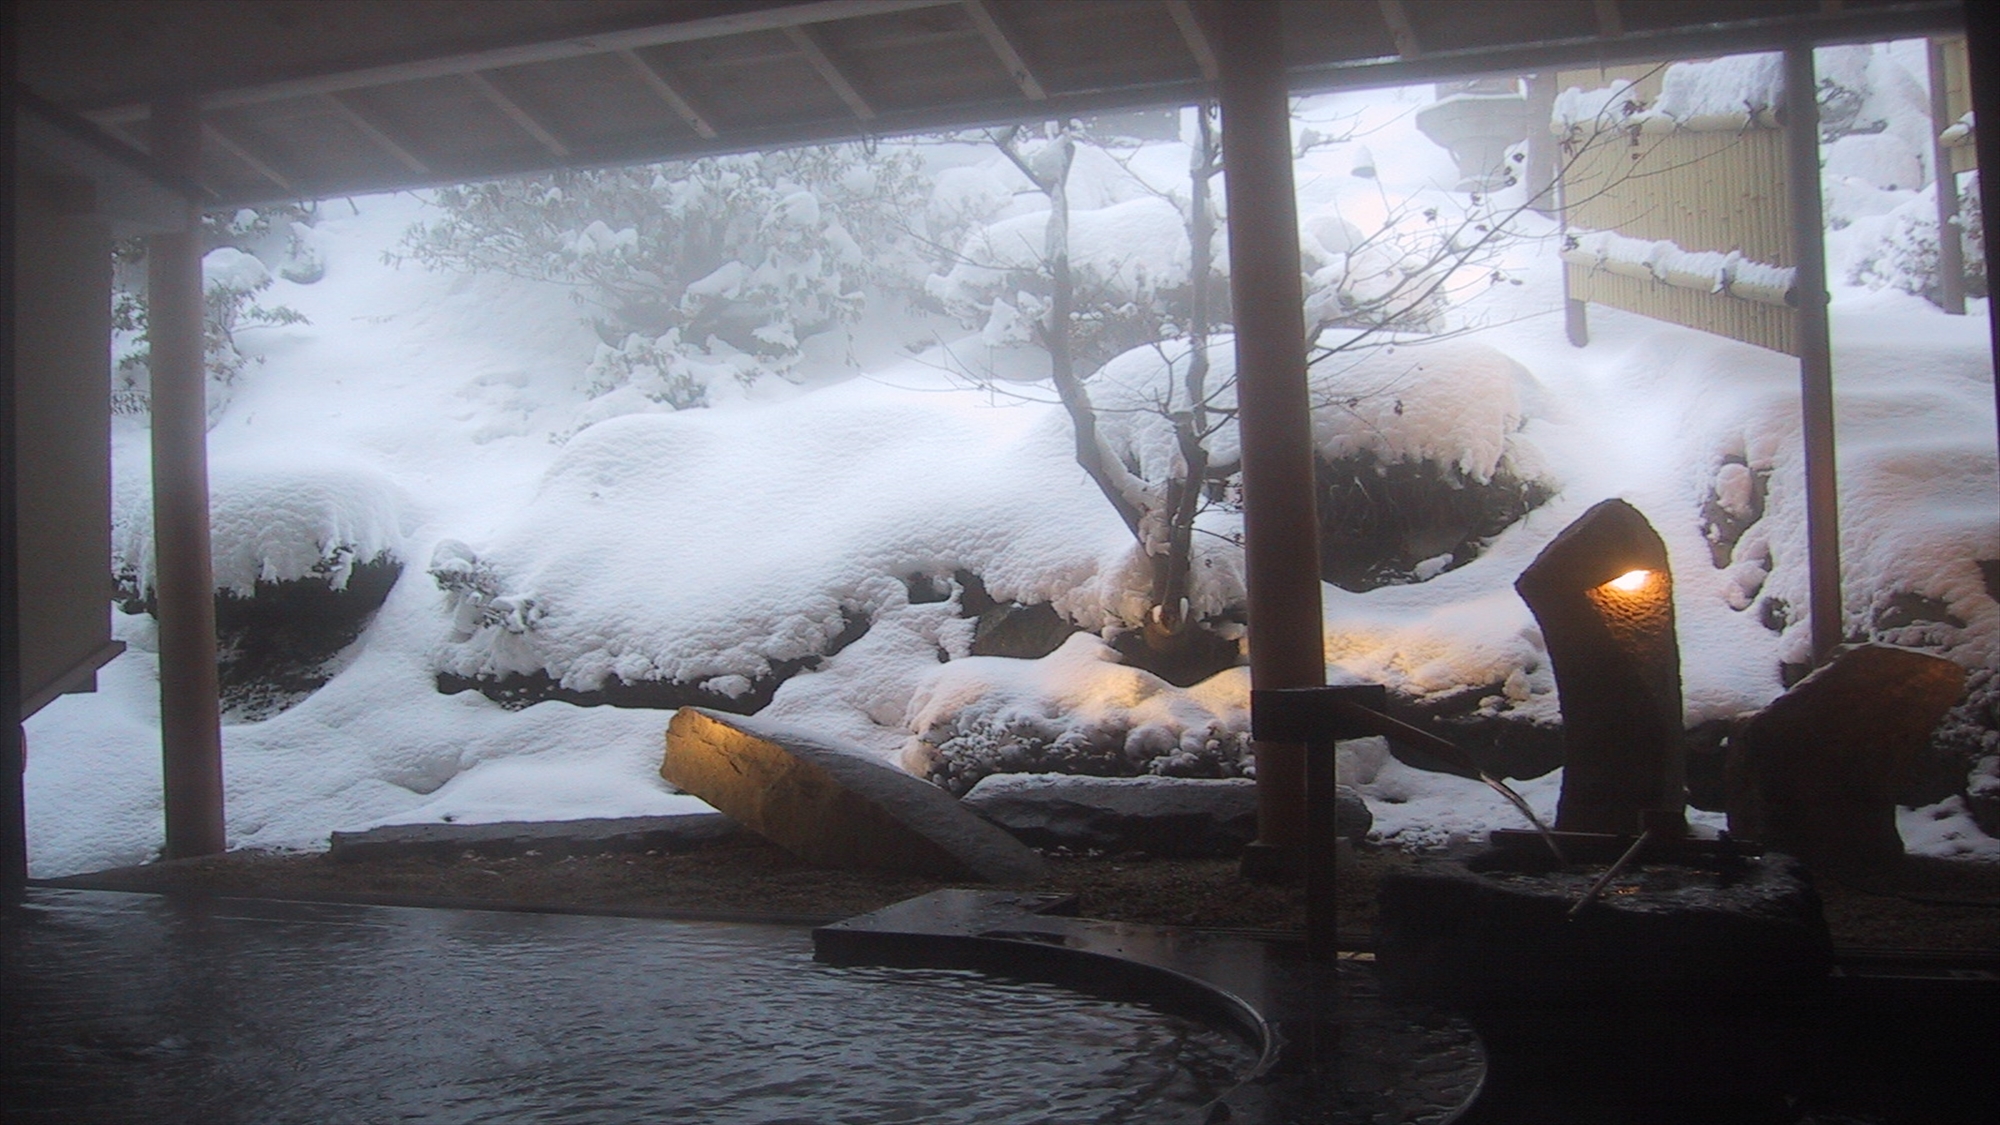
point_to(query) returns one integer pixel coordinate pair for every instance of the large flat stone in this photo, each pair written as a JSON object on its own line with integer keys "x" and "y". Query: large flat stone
{"x": 1172, "y": 816}
{"x": 833, "y": 805}
{"x": 593, "y": 836}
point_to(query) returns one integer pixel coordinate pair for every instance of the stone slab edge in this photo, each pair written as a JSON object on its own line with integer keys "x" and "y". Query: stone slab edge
{"x": 593, "y": 836}
{"x": 977, "y": 847}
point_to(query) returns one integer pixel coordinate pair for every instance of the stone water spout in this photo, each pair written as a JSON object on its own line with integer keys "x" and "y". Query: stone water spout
{"x": 1603, "y": 595}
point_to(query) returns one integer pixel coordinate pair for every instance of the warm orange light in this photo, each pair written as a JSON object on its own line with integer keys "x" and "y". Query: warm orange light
{"x": 1630, "y": 581}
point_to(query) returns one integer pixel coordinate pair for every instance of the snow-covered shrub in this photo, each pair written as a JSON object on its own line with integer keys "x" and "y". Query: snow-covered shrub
{"x": 1905, "y": 256}
{"x": 275, "y": 518}
{"x": 231, "y": 280}
{"x": 1129, "y": 262}
{"x": 731, "y": 256}
{"x": 304, "y": 551}
{"x": 1397, "y": 275}
{"x": 1420, "y": 456}
{"x": 1074, "y": 711}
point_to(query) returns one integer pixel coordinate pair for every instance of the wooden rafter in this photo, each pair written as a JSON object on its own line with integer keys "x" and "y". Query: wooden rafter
{"x": 824, "y": 64}
{"x": 518, "y": 115}
{"x": 981, "y": 13}
{"x": 375, "y": 133}
{"x": 1196, "y": 39}
{"x": 773, "y": 18}
{"x": 657, "y": 82}
{"x": 1397, "y": 16}
{"x": 247, "y": 155}
{"x": 1610, "y": 21}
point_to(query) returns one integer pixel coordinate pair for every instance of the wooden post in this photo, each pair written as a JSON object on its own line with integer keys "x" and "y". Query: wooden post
{"x": 190, "y": 709}
{"x": 1280, "y": 523}
{"x": 1944, "y": 185}
{"x": 1539, "y": 176}
{"x": 13, "y": 805}
{"x": 1815, "y": 349}
{"x": 1982, "y": 39}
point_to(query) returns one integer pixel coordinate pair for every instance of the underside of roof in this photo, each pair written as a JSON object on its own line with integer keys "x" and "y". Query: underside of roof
{"x": 315, "y": 98}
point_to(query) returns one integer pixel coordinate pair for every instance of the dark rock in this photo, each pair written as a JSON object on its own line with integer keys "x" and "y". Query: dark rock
{"x": 1816, "y": 772}
{"x": 517, "y": 691}
{"x": 1504, "y": 746}
{"x": 834, "y": 805}
{"x": 1379, "y": 522}
{"x": 594, "y": 836}
{"x": 1707, "y": 748}
{"x": 1025, "y": 632}
{"x": 1184, "y": 660}
{"x": 278, "y": 646}
{"x": 1723, "y": 525}
{"x": 1617, "y": 666}
{"x": 925, "y": 589}
{"x": 1159, "y": 815}
{"x": 1446, "y": 931}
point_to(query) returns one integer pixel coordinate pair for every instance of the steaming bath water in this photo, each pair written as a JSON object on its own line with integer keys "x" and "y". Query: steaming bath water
{"x": 138, "y": 1008}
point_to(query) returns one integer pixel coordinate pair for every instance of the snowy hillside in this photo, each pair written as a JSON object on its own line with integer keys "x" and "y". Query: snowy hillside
{"x": 804, "y": 539}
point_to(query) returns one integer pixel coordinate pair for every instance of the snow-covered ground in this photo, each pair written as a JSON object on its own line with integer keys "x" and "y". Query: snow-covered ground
{"x": 418, "y": 408}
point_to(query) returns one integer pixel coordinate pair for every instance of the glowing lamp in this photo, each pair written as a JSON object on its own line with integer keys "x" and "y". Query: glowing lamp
{"x": 1630, "y": 581}
{"x": 1617, "y": 667}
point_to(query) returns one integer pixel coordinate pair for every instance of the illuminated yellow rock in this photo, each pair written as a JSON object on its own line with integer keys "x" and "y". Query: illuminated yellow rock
{"x": 832, "y": 805}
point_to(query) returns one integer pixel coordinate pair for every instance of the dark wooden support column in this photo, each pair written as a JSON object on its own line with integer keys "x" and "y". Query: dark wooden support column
{"x": 1982, "y": 39}
{"x": 1815, "y": 348}
{"x": 1281, "y": 534}
{"x": 190, "y": 720}
{"x": 13, "y": 805}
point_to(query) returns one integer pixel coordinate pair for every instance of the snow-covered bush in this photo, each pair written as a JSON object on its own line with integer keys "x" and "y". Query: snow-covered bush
{"x": 1129, "y": 264}
{"x": 732, "y": 258}
{"x": 281, "y": 517}
{"x": 1075, "y": 711}
{"x": 1905, "y": 256}
{"x": 231, "y": 280}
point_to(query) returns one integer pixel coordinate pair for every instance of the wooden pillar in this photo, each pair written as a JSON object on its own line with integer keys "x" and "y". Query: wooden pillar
{"x": 1281, "y": 533}
{"x": 1944, "y": 186}
{"x": 13, "y": 808}
{"x": 190, "y": 710}
{"x": 1539, "y": 175}
{"x": 1815, "y": 349}
{"x": 1982, "y": 39}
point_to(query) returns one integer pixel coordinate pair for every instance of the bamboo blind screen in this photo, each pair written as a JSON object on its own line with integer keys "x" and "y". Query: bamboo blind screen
{"x": 1719, "y": 191}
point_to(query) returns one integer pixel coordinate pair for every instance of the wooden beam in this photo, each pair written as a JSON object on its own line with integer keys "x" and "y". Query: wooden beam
{"x": 183, "y": 575}
{"x": 996, "y": 38}
{"x": 242, "y": 152}
{"x": 774, "y": 18}
{"x": 658, "y": 83}
{"x": 1610, "y": 21}
{"x": 810, "y": 48}
{"x": 517, "y": 115}
{"x": 1815, "y": 351}
{"x": 1397, "y": 17}
{"x": 374, "y": 132}
{"x": 1195, "y": 38}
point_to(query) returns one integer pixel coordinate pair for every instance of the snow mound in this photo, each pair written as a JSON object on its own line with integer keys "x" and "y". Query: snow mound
{"x": 1132, "y": 249}
{"x": 279, "y": 516}
{"x": 1074, "y": 711}
{"x": 1454, "y": 402}
{"x": 704, "y": 545}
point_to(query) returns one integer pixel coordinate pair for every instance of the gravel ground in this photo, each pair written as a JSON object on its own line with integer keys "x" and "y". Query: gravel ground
{"x": 1929, "y": 904}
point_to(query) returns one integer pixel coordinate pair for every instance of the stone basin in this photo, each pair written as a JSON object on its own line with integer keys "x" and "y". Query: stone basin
{"x": 1498, "y": 922}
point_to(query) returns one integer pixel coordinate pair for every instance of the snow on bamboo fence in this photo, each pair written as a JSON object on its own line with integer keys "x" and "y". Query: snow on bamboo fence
{"x": 1674, "y": 196}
